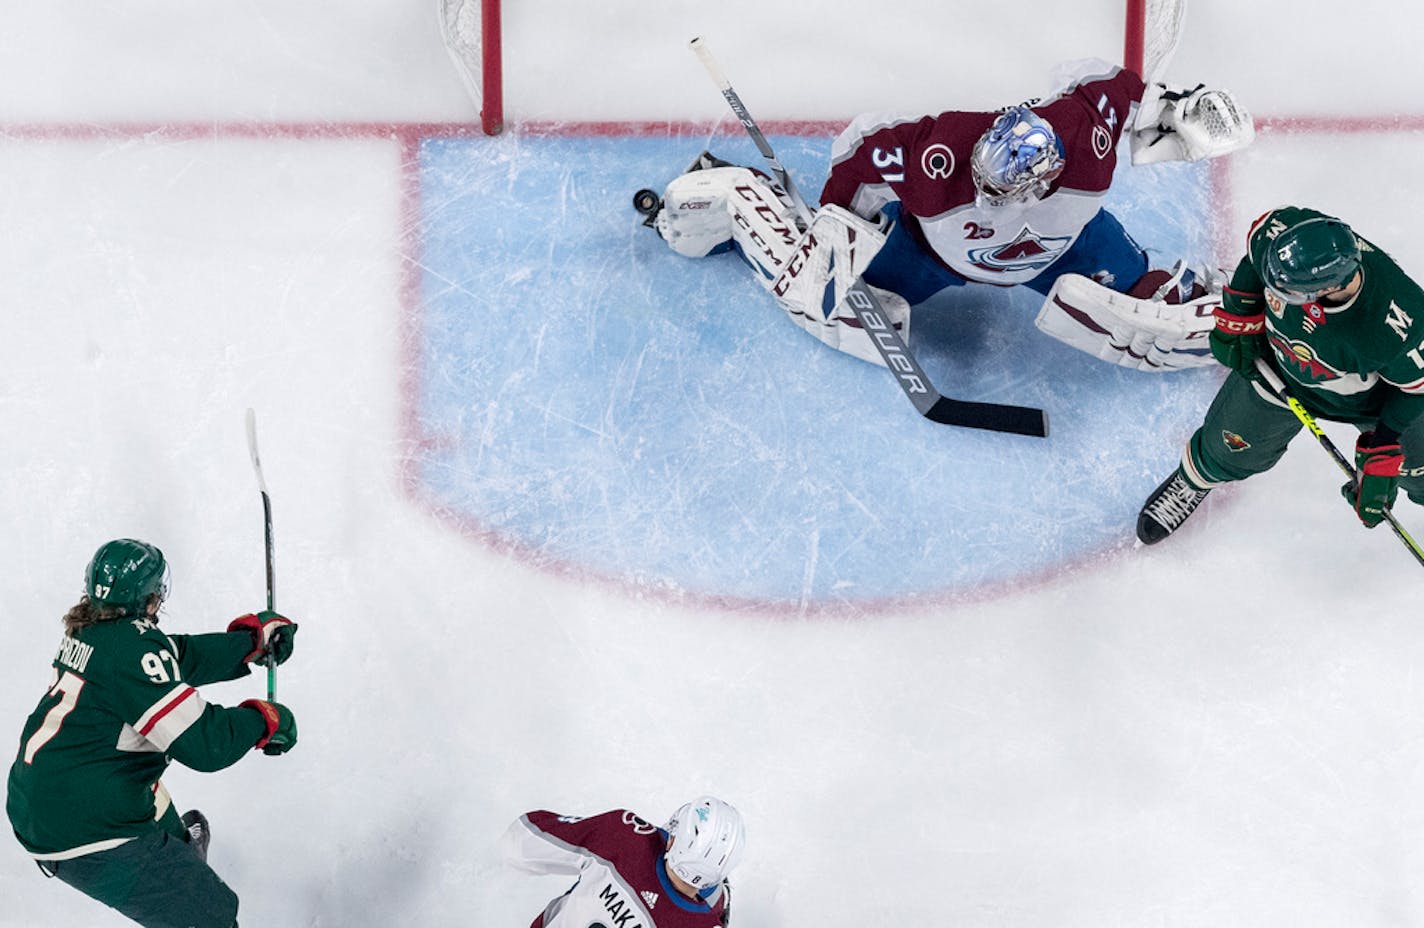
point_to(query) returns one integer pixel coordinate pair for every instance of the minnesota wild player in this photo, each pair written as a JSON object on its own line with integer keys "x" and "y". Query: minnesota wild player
{"x": 84, "y": 794}
{"x": 1344, "y": 327}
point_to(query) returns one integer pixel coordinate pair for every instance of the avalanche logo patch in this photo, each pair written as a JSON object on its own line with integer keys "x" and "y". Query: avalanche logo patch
{"x": 1102, "y": 142}
{"x": 1234, "y": 442}
{"x": 1028, "y": 252}
{"x": 937, "y": 161}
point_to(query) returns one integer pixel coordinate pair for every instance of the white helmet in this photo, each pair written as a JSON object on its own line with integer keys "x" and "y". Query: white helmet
{"x": 706, "y": 843}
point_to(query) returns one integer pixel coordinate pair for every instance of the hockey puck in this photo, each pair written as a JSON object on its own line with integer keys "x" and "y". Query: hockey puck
{"x": 647, "y": 202}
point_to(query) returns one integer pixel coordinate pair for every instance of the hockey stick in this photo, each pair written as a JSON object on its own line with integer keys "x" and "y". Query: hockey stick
{"x": 267, "y": 538}
{"x": 994, "y": 417}
{"x": 1278, "y": 387}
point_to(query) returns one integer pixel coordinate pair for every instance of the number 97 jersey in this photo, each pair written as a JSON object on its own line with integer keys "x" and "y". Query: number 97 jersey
{"x": 121, "y": 702}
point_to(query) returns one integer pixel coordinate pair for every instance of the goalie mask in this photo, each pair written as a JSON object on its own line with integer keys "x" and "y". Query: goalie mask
{"x": 1311, "y": 258}
{"x": 706, "y": 838}
{"x": 1017, "y": 159}
{"x": 125, "y": 574}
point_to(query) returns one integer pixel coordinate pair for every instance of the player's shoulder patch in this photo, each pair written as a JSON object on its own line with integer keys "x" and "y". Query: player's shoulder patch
{"x": 640, "y": 825}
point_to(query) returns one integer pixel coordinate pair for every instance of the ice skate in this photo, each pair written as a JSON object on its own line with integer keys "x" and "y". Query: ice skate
{"x": 1167, "y": 508}
{"x": 195, "y": 824}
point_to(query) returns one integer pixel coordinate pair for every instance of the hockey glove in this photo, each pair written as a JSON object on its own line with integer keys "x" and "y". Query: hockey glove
{"x": 1240, "y": 334}
{"x": 281, "y": 733}
{"x": 270, "y": 633}
{"x": 1377, "y": 467}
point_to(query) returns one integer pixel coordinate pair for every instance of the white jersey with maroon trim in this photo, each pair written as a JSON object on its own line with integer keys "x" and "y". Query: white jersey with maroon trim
{"x": 618, "y": 859}
{"x": 923, "y": 163}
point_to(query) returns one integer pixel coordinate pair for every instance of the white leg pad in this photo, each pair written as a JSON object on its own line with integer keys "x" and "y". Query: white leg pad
{"x": 813, "y": 282}
{"x": 808, "y": 273}
{"x": 1145, "y": 334}
{"x": 697, "y": 217}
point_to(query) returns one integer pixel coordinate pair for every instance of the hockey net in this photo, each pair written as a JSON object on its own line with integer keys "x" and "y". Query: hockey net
{"x": 472, "y": 36}
{"x": 471, "y": 29}
{"x": 1153, "y": 29}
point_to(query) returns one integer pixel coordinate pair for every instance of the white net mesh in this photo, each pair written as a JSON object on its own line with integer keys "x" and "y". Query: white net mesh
{"x": 460, "y": 25}
{"x": 1162, "y": 28}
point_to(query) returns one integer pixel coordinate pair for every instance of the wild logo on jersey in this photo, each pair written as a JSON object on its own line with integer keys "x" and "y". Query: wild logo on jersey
{"x": 1234, "y": 442}
{"x": 1028, "y": 251}
{"x": 1301, "y": 359}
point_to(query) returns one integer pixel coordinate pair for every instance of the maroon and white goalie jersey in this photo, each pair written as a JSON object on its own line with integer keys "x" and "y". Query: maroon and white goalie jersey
{"x": 924, "y": 164}
{"x": 618, "y": 859}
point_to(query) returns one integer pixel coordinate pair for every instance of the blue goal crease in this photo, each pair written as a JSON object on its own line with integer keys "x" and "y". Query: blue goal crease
{"x": 608, "y": 404}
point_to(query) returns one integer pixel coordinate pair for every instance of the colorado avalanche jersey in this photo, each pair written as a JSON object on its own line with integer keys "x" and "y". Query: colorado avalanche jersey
{"x": 923, "y": 163}
{"x": 618, "y": 859}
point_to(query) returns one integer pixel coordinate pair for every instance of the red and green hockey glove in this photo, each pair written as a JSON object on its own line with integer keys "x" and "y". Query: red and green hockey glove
{"x": 1377, "y": 467}
{"x": 281, "y": 733}
{"x": 270, "y": 632}
{"x": 1240, "y": 334}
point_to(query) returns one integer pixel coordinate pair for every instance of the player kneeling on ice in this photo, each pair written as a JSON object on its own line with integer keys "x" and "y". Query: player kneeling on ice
{"x": 85, "y": 798}
{"x": 1343, "y": 328}
{"x": 631, "y": 872}
{"x": 918, "y": 204}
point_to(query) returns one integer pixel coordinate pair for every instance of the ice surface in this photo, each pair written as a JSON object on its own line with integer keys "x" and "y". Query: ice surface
{"x": 595, "y": 399}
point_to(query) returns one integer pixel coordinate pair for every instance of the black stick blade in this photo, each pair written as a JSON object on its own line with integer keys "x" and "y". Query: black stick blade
{"x": 993, "y": 417}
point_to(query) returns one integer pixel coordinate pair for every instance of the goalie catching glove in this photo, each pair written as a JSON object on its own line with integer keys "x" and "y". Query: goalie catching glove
{"x": 1188, "y": 125}
{"x": 716, "y": 207}
{"x": 271, "y": 633}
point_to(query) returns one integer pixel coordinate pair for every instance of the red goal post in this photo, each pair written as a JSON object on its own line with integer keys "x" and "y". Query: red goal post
{"x": 1151, "y": 30}
{"x": 472, "y": 36}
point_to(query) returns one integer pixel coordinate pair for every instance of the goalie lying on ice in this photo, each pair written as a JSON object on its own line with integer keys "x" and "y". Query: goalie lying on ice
{"x": 916, "y": 205}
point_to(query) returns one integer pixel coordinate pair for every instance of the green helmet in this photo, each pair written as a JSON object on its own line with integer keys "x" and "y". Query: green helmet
{"x": 125, "y": 573}
{"x": 1311, "y": 256}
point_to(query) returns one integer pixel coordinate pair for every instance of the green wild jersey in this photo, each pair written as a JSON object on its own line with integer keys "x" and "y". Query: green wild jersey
{"x": 1362, "y": 362}
{"x": 120, "y": 706}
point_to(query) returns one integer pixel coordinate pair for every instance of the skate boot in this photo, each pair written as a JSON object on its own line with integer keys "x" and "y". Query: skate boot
{"x": 195, "y": 824}
{"x": 1167, "y": 508}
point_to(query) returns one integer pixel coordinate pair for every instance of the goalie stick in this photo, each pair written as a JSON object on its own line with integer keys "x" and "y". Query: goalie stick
{"x": 1278, "y": 387}
{"x": 994, "y": 417}
{"x": 267, "y": 539}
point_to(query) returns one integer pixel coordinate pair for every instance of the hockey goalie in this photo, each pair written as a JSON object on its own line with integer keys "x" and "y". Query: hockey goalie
{"x": 916, "y": 205}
